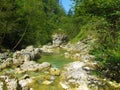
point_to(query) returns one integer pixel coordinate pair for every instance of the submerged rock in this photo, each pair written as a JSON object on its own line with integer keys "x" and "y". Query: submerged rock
{"x": 54, "y": 71}
{"x": 46, "y": 82}
{"x": 64, "y": 85}
{"x": 47, "y": 49}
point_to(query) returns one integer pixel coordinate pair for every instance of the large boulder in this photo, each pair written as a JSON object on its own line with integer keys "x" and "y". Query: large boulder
{"x": 24, "y": 83}
{"x": 32, "y": 66}
{"x": 59, "y": 39}
{"x": 30, "y": 53}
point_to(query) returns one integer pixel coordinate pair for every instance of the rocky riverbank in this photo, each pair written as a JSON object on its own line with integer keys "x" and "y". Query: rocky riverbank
{"x": 77, "y": 75}
{"x": 22, "y": 62}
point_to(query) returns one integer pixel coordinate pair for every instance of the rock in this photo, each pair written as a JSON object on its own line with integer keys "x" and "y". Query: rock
{"x": 29, "y": 66}
{"x": 49, "y": 77}
{"x": 31, "y": 89}
{"x": 75, "y": 76}
{"x": 11, "y": 83}
{"x": 67, "y": 55}
{"x": 3, "y": 65}
{"x": 76, "y": 56}
{"x": 44, "y": 66}
{"x": 46, "y": 82}
{"x": 30, "y": 48}
{"x": 37, "y": 53}
{"x": 54, "y": 71}
{"x": 30, "y": 53}
{"x": 1, "y": 85}
{"x": 17, "y": 62}
{"x": 16, "y": 54}
{"x": 59, "y": 39}
{"x": 4, "y": 55}
{"x": 25, "y": 88}
{"x": 47, "y": 49}
{"x": 6, "y": 63}
{"x": 25, "y": 82}
{"x": 86, "y": 68}
{"x": 18, "y": 59}
{"x": 32, "y": 66}
{"x": 26, "y": 57}
{"x": 64, "y": 85}
{"x": 18, "y": 71}
{"x": 52, "y": 77}
{"x": 25, "y": 76}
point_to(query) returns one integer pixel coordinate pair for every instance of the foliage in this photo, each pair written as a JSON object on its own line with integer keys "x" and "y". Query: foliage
{"x": 101, "y": 18}
{"x": 7, "y": 18}
{"x": 24, "y": 22}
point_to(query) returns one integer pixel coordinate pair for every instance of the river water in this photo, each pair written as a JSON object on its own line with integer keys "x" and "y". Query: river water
{"x": 56, "y": 60}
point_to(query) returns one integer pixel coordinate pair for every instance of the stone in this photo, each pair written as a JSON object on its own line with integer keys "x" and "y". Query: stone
{"x": 25, "y": 88}
{"x": 44, "y": 65}
{"x": 54, "y": 71}
{"x": 16, "y": 54}
{"x": 1, "y": 85}
{"x": 11, "y": 83}
{"x": 46, "y": 82}
{"x": 18, "y": 62}
{"x": 25, "y": 82}
{"x": 49, "y": 77}
{"x": 4, "y": 55}
{"x": 26, "y": 76}
{"x": 59, "y": 39}
{"x": 30, "y": 48}
{"x": 75, "y": 76}
{"x": 32, "y": 66}
{"x": 76, "y": 56}
{"x": 64, "y": 85}
{"x": 67, "y": 55}
{"x": 47, "y": 49}
{"x": 26, "y": 56}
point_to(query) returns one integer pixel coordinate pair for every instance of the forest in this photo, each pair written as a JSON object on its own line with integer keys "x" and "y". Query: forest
{"x": 33, "y": 22}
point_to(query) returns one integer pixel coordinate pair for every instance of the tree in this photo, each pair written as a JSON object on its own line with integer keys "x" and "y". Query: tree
{"x": 7, "y": 18}
{"x": 25, "y": 22}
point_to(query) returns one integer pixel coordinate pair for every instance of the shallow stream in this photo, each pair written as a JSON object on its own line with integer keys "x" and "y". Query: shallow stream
{"x": 56, "y": 60}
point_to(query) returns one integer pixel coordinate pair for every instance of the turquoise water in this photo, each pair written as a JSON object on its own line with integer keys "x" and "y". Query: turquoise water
{"x": 56, "y": 60}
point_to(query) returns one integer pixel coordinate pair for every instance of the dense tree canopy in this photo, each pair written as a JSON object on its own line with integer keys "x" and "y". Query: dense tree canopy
{"x": 24, "y": 22}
